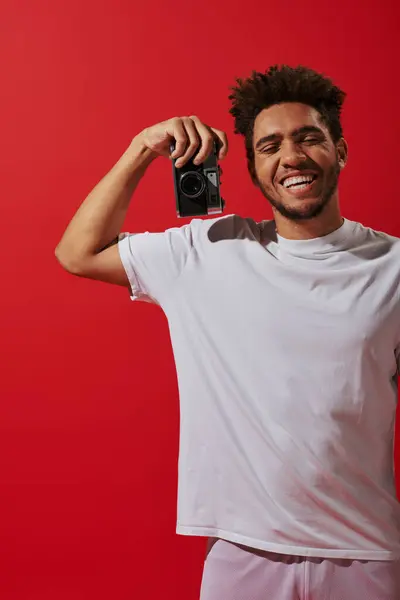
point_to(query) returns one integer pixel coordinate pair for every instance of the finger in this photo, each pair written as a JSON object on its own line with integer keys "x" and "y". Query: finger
{"x": 193, "y": 139}
{"x": 207, "y": 140}
{"x": 222, "y": 143}
{"x": 177, "y": 131}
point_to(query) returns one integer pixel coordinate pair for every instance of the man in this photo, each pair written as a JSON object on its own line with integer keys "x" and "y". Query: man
{"x": 286, "y": 337}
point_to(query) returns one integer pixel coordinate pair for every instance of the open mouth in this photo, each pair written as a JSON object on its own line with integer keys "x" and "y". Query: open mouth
{"x": 299, "y": 184}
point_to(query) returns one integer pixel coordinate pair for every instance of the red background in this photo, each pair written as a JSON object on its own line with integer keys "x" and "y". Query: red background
{"x": 89, "y": 408}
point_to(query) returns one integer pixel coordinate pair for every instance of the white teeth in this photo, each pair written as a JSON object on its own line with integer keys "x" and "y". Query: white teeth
{"x": 297, "y": 180}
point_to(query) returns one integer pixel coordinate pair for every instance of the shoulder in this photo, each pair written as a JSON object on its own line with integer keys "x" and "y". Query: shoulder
{"x": 228, "y": 227}
{"x": 376, "y": 236}
{"x": 373, "y": 244}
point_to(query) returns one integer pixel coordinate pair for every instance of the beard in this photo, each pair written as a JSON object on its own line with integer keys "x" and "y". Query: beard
{"x": 309, "y": 209}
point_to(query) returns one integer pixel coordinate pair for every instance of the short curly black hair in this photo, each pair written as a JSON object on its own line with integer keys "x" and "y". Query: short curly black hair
{"x": 282, "y": 83}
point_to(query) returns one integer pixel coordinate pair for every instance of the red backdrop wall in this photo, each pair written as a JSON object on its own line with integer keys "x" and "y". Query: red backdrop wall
{"x": 89, "y": 412}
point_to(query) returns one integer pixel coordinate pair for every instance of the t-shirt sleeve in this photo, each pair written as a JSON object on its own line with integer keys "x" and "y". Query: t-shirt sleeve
{"x": 154, "y": 261}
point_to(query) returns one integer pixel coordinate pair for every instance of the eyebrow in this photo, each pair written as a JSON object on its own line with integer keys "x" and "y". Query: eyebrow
{"x": 295, "y": 133}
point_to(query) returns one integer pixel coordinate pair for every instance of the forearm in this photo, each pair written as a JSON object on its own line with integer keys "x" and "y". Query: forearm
{"x": 100, "y": 217}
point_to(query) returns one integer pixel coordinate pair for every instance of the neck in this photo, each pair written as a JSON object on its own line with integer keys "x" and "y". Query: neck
{"x": 307, "y": 229}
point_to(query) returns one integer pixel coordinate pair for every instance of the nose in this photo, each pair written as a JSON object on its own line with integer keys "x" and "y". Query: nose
{"x": 291, "y": 154}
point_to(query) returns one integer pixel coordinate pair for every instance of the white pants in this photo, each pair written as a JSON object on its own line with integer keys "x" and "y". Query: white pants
{"x": 235, "y": 572}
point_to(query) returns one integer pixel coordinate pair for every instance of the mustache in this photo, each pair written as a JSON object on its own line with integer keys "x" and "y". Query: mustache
{"x": 305, "y": 167}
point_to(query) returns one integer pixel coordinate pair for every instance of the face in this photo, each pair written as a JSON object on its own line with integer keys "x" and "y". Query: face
{"x": 296, "y": 164}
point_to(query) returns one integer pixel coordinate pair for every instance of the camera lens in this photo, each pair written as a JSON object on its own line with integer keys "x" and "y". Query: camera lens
{"x": 192, "y": 184}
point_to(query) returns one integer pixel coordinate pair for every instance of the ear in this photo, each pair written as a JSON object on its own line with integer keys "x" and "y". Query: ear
{"x": 252, "y": 171}
{"x": 342, "y": 149}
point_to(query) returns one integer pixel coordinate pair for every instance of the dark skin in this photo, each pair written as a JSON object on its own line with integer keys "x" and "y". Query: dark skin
{"x": 291, "y": 138}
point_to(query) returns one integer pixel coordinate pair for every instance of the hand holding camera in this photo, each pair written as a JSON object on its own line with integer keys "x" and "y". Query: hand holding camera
{"x": 189, "y": 135}
{"x": 195, "y": 149}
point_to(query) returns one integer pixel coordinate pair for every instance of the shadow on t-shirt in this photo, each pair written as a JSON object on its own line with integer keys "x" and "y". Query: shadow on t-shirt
{"x": 235, "y": 227}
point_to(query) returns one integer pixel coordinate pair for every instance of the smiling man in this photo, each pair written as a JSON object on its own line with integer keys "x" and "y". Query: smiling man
{"x": 286, "y": 338}
{"x": 297, "y": 166}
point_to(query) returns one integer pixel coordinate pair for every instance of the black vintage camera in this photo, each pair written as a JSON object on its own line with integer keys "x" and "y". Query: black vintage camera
{"x": 197, "y": 186}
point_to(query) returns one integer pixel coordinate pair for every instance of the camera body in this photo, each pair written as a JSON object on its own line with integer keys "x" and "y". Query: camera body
{"x": 197, "y": 187}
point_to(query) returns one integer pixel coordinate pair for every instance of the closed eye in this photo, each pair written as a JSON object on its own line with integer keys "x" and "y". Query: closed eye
{"x": 270, "y": 149}
{"x": 311, "y": 139}
{"x": 308, "y": 139}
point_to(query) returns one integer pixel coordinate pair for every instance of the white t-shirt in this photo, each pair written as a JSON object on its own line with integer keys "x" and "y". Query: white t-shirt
{"x": 287, "y": 355}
